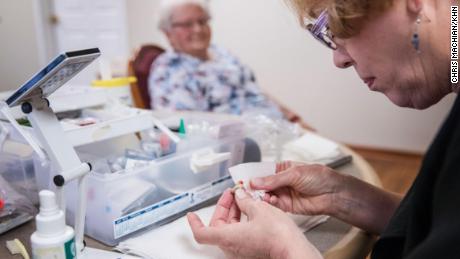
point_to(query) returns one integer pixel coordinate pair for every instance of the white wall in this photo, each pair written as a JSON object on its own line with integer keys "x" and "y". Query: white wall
{"x": 19, "y": 55}
{"x": 142, "y": 24}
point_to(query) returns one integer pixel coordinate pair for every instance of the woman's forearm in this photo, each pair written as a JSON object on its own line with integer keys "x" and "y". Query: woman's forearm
{"x": 364, "y": 205}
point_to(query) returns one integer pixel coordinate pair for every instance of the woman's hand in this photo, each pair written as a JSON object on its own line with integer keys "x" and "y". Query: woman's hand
{"x": 317, "y": 189}
{"x": 301, "y": 189}
{"x": 267, "y": 233}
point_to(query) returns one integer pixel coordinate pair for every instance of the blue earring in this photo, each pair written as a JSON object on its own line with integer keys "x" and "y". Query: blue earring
{"x": 415, "y": 37}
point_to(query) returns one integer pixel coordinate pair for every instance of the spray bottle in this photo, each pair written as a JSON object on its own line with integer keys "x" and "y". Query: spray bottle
{"x": 53, "y": 239}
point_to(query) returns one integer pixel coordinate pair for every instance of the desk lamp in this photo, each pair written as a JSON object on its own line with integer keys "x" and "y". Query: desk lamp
{"x": 32, "y": 97}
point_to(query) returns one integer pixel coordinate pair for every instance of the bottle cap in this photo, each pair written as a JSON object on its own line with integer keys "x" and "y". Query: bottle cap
{"x": 182, "y": 128}
{"x": 50, "y": 220}
{"x": 48, "y": 204}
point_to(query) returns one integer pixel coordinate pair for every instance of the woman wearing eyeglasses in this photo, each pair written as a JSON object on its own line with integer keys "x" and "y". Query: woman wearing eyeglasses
{"x": 197, "y": 75}
{"x": 401, "y": 49}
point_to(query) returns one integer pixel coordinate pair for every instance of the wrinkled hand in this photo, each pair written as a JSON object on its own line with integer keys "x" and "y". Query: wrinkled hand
{"x": 299, "y": 188}
{"x": 267, "y": 233}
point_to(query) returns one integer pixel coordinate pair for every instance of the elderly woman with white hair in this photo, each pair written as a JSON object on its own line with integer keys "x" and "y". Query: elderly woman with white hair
{"x": 196, "y": 75}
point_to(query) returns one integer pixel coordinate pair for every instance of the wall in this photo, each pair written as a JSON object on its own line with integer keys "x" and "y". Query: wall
{"x": 142, "y": 24}
{"x": 19, "y": 55}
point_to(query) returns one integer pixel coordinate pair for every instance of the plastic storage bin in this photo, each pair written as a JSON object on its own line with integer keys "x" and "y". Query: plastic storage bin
{"x": 122, "y": 203}
{"x": 18, "y": 170}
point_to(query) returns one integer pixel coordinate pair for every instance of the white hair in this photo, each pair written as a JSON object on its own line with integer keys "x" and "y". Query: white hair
{"x": 167, "y": 7}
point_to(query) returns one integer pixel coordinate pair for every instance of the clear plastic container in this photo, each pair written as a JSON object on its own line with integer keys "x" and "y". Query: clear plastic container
{"x": 124, "y": 202}
{"x": 18, "y": 191}
{"x": 18, "y": 171}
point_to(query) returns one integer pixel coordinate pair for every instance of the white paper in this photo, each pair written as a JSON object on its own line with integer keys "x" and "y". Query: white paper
{"x": 175, "y": 240}
{"x": 310, "y": 148}
{"x": 247, "y": 171}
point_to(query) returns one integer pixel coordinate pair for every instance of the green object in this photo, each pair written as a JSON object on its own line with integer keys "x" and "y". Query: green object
{"x": 182, "y": 128}
{"x": 24, "y": 122}
{"x": 70, "y": 250}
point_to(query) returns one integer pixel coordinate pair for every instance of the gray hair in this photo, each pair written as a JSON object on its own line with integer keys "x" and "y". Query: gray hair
{"x": 167, "y": 7}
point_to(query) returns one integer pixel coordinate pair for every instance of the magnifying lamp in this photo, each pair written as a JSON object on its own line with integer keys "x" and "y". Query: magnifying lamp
{"x": 32, "y": 97}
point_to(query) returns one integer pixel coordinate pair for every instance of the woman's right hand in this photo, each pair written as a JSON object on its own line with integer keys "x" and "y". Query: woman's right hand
{"x": 316, "y": 189}
{"x": 300, "y": 188}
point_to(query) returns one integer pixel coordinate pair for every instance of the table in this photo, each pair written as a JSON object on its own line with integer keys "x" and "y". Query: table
{"x": 335, "y": 239}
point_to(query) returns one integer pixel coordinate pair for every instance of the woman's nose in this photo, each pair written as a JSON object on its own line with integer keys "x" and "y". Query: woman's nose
{"x": 342, "y": 59}
{"x": 197, "y": 27}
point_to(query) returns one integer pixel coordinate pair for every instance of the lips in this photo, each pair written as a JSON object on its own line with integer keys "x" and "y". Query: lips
{"x": 369, "y": 81}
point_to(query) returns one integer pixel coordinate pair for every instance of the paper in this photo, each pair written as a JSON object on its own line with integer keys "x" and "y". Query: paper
{"x": 310, "y": 148}
{"x": 247, "y": 171}
{"x": 91, "y": 253}
{"x": 175, "y": 240}
{"x": 243, "y": 173}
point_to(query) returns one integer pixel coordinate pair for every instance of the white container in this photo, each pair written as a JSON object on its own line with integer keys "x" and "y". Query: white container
{"x": 53, "y": 239}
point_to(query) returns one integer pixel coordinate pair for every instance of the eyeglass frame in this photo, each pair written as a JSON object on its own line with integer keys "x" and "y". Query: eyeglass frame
{"x": 189, "y": 24}
{"x": 319, "y": 29}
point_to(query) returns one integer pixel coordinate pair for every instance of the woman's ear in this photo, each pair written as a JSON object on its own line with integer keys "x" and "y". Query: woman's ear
{"x": 415, "y": 6}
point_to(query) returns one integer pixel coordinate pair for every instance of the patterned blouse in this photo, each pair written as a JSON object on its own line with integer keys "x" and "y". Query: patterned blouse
{"x": 179, "y": 81}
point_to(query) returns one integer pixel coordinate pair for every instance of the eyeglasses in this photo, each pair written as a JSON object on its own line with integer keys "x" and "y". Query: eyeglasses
{"x": 319, "y": 28}
{"x": 189, "y": 24}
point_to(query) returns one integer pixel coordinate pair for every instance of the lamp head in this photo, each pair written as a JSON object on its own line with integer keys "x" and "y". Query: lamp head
{"x": 58, "y": 72}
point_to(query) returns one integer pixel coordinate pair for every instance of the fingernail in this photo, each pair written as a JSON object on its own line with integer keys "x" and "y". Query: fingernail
{"x": 257, "y": 181}
{"x": 239, "y": 193}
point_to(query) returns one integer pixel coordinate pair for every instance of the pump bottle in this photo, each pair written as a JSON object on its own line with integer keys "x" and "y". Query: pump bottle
{"x": 53, "y": 239}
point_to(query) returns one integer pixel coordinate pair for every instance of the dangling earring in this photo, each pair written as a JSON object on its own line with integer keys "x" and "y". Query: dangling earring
{"x": 415, "y": 37}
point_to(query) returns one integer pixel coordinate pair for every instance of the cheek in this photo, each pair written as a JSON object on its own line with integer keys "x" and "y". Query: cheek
{"x": 201, "y": 41}
{"x": 207, "y": 33}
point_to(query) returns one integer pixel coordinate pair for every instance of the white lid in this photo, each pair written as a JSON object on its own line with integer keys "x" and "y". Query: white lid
{"x": 203, "y": 159}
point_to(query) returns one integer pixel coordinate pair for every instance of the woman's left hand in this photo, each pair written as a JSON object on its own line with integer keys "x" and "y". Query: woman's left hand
{"x": 268, "y": 232}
